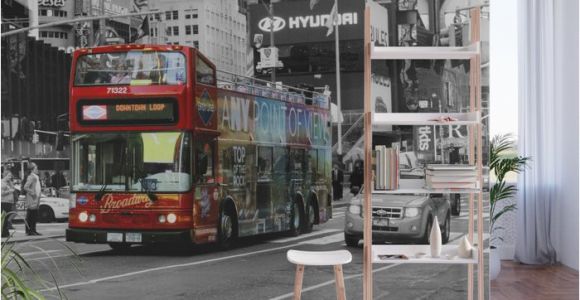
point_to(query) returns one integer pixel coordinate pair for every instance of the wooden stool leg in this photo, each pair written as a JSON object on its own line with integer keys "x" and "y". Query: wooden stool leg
{"x": 298, "y": 282}
{"x": 339, "y": 278}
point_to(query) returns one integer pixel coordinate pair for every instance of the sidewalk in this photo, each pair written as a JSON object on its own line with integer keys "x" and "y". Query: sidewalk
{"x": 48, "y": 231}
{"x": 346, "y": 196}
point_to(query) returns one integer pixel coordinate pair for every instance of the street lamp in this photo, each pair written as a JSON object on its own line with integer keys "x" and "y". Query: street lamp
{"x": 270, "y": 9}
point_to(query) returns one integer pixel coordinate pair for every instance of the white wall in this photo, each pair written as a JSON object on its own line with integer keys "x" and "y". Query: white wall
{"x": 566, "y": 102}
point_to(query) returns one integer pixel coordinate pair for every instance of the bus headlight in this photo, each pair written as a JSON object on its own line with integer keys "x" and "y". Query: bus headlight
{"x": 161, "y": 219}
{"x": 83, "y": 216}
{"x": 92, "y": 218}
{"x": 171, "y": 218}
{"x": 72, "y": 200}
{"x": 411, "y": 212}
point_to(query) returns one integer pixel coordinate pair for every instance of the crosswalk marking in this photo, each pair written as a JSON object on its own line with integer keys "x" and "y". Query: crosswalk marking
{"x": 330, "y": 239}
{"x": 316, "y": 233}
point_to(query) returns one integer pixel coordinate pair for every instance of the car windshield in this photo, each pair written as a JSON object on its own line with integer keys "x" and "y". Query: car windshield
{"x": 132, "y": 162}
{"x": 131, "y": 68}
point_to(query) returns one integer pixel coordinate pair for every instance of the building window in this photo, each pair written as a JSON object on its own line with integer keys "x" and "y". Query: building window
{"x": 167, "y": 15}
{"x": 43, "y": 12}
{"x": 175, "y": 30}
{"x": 168, "y": 31}
{"x": 187, "y": 16}
{"x": 195, "y": 29}
{"x": 51, "y": 34}
{"x": 187, "y": 29}
{"x": 175, "y": 15}
{"x": 43, "y": 34}
{"x": 196, "y": 44}
{"x": 49, "y": 12}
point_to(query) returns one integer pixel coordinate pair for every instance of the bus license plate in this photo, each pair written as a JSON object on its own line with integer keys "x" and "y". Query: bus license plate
{"x": 133, "y": 237}
{"x": 114, "y": 237}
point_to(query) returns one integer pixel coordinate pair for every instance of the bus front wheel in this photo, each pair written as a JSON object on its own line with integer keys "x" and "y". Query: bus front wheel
{"x": 311, "y": 217}
{"x": 226, "y": 229}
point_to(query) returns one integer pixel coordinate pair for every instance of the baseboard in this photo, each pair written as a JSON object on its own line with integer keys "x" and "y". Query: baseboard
{"x": 507, "y": 252}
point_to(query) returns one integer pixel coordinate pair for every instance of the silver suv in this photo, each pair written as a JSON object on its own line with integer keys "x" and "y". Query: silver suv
{"x": 396, "y": 218}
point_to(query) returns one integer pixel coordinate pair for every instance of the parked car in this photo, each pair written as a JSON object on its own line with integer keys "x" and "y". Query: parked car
{"x": 51, "y": 208}
{"x": 399, "y": 218}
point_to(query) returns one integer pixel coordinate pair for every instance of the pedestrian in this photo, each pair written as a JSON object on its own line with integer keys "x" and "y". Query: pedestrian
{"x": 337, "y": 179}
{"x": 32, "y": 189}
{"x": 7, "y": 200}
{"x": 357, "y": 176}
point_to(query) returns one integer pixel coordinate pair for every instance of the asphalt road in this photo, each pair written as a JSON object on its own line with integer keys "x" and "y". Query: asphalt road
{"x": 255, "y": 269}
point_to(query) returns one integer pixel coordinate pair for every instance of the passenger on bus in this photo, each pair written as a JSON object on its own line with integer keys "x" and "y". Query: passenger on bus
{"x": 121, "y": 75}
{"x": 158, "y": 72}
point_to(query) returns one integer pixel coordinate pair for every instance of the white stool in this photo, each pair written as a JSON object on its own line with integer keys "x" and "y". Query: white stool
{"x": 319, "y": 258}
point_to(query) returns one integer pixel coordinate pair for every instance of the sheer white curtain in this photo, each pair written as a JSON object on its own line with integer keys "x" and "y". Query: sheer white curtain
{"x": 547, "y": 222}
{"x": 536, "y": 138}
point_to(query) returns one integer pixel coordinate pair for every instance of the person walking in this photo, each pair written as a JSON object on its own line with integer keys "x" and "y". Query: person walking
{"x": 336, "y": 183}
{"x": 32, "y": 189}
{"x": 7, "y": 200}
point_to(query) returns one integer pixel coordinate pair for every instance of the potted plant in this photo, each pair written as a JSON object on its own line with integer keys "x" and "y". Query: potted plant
{"x": 503, "y": 159}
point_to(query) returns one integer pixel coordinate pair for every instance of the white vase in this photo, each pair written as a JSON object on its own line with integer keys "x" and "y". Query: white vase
{"x": 435, "y": 238}
{"x": 464, "y": 248}
{"x": 494, "y": 263}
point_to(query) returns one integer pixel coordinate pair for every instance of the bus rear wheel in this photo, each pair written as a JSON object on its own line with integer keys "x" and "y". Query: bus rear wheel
{"x": 295, "y": 219}
{"x": 310, "y": 218}
{"x": 226, "y": 230}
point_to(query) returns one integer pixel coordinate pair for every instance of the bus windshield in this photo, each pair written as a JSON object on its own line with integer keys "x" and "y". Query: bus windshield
{"x": 132, "y": 162}
{"x": 131, "y": 68}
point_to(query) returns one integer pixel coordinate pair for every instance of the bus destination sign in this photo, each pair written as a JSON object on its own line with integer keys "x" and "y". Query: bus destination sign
{"x": 129, "y": 112}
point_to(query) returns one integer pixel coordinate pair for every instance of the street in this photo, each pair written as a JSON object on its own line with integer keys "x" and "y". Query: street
{"x": 256, "y": 268}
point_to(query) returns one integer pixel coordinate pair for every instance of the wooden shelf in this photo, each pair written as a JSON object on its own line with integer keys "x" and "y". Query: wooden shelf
{"x": 425, "y": 52}
{"x": 417, "y": 186}
{"x": 448, "y": 254}
{"x": 418, "y": 119}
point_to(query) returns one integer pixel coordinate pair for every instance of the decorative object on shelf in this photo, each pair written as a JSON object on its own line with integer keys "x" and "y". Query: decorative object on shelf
{"x": 435, "y": 238}
{"x": 444, "y": 119}
{"x": 386, "y": 168}
{"x": 439, "y": 176}
{"x": 464, "y": 248}
{"x": 502, "y": 160}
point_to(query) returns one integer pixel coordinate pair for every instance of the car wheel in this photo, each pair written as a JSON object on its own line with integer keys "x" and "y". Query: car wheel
{"x": 120, "y": 247}
{"x": 295, "y": 218}
{"x": 310, "y": 219}
{"x": 427, "y": 233}
{"x": 456, "y": 204}
{"x": 45, "y": 214}
{"x": 351, "y": 240}
{"x": 227, "y": 229}
{"x": 446, "y": 230}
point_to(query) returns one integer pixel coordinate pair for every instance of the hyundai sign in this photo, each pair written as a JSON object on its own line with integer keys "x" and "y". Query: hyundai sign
{"x": 294, "y": 22}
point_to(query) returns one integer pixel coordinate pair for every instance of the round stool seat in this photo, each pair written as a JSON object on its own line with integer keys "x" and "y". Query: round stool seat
{"x": 319, "y": 258}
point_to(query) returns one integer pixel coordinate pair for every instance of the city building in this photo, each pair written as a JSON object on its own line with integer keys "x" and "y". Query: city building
{"x": 217, "y": 28}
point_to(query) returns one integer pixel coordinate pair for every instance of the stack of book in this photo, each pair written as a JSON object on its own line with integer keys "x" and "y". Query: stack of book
{"x": 386, "y": 168}
{"x": 451, "y": 177}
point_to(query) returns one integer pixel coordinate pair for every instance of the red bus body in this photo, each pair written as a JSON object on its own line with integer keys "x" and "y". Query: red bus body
{"x": 223, "y": 166}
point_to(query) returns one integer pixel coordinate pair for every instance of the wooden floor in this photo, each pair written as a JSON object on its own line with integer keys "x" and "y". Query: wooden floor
{"x": 517, "y": 281}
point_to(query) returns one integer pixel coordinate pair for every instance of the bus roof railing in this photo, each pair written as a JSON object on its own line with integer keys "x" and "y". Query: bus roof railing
{"x": 268, "y": 89}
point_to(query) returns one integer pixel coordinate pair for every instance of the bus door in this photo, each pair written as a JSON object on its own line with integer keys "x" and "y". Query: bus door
{"x": 297, "y": 172}
{"x": 206, "y": 193}
{"x": 264, "y": 182}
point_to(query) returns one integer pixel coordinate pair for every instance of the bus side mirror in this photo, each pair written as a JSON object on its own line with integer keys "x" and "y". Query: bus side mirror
{"x": 59, "y": 144}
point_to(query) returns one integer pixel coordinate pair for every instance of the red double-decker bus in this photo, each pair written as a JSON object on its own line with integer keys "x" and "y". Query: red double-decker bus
{"x": 161, "y": 154}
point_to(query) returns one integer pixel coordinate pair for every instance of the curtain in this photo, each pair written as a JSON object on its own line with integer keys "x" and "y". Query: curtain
{"x": 537, "y": 202}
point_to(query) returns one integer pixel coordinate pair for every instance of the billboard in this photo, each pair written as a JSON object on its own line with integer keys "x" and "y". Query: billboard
{"x": 294, "y": 21}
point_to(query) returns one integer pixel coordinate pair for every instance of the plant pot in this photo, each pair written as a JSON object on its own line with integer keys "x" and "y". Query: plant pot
{"x": 494, "y": 263}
